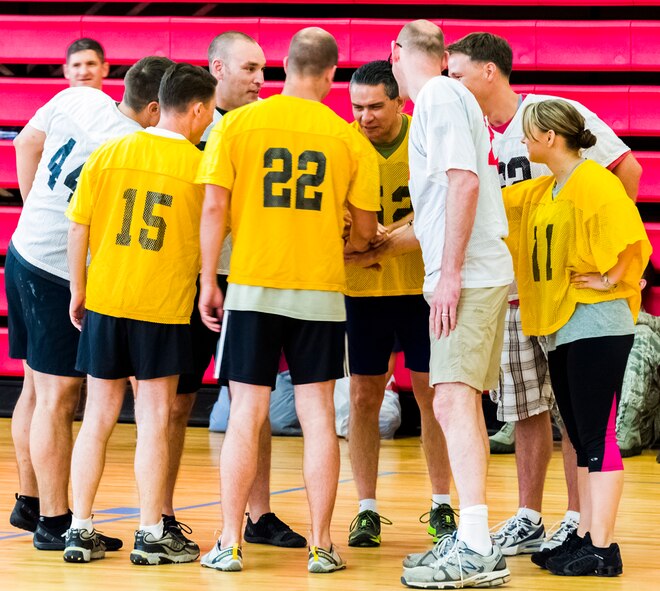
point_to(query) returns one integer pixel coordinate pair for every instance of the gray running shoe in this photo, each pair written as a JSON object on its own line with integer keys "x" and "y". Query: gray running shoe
{"x": 83, "y": 546}
{"x": 458, "y": 566}
{"x": 430, "y": 556}
{"x": 227, "y": 559}
{"x": 560, "y": 535}
{"x": 518, "y": 535}
{"x": 170, "y": 548}
{"x": 324, "y": 561}
{"x": 504, "y": 441}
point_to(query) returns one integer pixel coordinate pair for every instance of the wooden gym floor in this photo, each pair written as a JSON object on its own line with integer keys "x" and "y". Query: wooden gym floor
{"x": 403, "y": 495}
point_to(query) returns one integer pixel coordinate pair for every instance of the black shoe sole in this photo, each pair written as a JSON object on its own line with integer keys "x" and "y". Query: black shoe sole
{"x": 271, "y": 542}
{"x": 363, "y": 542}
{"x": 22, "y": 523}
{"x": 50, "y": 546}
{"x": 608, "y": 571}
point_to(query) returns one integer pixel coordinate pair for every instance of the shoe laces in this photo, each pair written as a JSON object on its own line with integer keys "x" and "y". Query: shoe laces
{"x": 560, "y": 530}
{"x": 448, "y": 554}
{"x": 361, "y": 518}
{"x": 444, "y": 545}
{"x": 442, "y": 510}
{"x": 511, "y": 526}
{"x": 182, "y": 527}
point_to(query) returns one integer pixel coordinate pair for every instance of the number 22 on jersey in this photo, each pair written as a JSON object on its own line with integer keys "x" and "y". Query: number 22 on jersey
{"x": 275, "y": 196}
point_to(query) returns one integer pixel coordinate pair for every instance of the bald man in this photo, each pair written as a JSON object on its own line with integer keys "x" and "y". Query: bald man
{"x": 460, "y": 223}
{"x": 280, "y": 172}
{"x": 237, "y": 62}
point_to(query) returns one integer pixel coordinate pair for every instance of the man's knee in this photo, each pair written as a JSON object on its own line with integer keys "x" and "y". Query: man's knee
{"x": 366, "y": 394}
{"x": 181, "y": 408}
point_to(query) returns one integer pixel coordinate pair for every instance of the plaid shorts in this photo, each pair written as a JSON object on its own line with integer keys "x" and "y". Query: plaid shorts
{"x": 524, "y": 389}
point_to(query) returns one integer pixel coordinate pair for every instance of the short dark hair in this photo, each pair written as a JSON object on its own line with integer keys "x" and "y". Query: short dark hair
{"x": 486, "y": 47}
{"x": 142, "y": 81}
{"x": 376, "y": 73}
{"x": 84, "y": 44}
{"x": 183, "y": 84}
{"x": 312, "y": 51}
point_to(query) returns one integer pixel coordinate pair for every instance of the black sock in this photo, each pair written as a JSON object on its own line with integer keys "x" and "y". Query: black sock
{"x": 605, "y": 551}
{"x": 32, "y": 502}
{"x": 59, "y": 522}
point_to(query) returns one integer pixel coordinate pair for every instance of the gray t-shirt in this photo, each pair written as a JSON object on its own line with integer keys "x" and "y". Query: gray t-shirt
{"x": 605, "y": 319}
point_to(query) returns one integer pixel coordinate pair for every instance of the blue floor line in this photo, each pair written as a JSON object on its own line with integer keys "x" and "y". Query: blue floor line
{"x": 189, "y": 507}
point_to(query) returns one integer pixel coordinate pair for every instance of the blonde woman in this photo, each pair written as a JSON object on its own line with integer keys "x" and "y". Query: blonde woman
{"x": 579, "y": 249}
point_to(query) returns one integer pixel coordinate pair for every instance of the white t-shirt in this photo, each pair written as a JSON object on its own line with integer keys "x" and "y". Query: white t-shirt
{"x": 448, "y": 131}
{"x": 76, "y": 121}
{"x": 514, "y": 164}
{"x": 225, "y": 253}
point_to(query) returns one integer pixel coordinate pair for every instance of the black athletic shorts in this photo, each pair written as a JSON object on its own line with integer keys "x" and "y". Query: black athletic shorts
{"x": 40, "y": 330}
{"x": 113, "y": 348}
{"x": 375, "y": 324}
{"x": 252, "y": 342}
{"x": 204, "y": 344}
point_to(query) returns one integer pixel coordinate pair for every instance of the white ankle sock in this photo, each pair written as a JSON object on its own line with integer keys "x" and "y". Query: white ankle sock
{"x": 574, "y": 515}
{"x": 155, "y": 530}
{"x": 533, "y": 516}
{"x": 438, "y": 500}
{"x": 368, "y": 505}
{"x": 473, "y": 529}
{"x": 82, "y": 523}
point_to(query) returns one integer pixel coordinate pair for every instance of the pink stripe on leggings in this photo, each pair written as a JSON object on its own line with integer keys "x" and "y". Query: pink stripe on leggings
{"x": 612, "y": 457}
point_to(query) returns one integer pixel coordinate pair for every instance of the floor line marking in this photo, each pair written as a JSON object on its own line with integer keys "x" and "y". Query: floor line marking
{"x": 190, "y": 507}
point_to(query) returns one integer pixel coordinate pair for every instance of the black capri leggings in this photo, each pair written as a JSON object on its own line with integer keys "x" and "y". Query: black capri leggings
{"x": 586, "y": 378}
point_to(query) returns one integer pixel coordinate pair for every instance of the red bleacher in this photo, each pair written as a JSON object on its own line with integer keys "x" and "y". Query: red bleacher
{"x": 629, "y": 110}
{"x": 537, "y": 44}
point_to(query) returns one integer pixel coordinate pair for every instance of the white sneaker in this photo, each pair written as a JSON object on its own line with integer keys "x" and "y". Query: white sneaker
{"x": 458, "y": 566}
{"x": 519, "y": 535}
{"x": 556, "y": 537}
{"x": 324, "y": 561}
{"x": 227, "y": 559}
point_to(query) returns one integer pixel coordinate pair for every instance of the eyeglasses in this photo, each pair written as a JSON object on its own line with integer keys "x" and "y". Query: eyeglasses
{"x": 394, "y": 44}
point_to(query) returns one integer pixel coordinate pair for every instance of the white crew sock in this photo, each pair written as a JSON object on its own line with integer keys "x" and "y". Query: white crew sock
{"x": 368, "y": 505}
{"x": 533, "y": 516}
{"x": 574, "y": 515}
{"x": 155, "y": 530}
{"x": 473, "y": 529}
{"x": 438, "y": 500}
{"x": 82, "y": 524}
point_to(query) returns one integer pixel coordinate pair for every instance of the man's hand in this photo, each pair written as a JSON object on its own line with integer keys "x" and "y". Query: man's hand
{"x": 370, "y": 258}
{"x": 382, "y": 234}
{"x": 211, "y": 301}
{"x": 444, "y": 303}
{"x": 77, "y": 309}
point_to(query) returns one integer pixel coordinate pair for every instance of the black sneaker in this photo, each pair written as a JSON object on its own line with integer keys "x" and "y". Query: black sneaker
{"x": 588, "y": 560}
{"x": 365, "y": 529}
{"x": 441, "y": 520}
{"x": 270, "y": 529}
{"x": 82, "y": 546}
{"x": 47, "y": 538}
{"x": 171, "y": 524}
{"x": 572, "y": 543}
{"x": 169, "y": 549}
{"x": 23, "y": 516}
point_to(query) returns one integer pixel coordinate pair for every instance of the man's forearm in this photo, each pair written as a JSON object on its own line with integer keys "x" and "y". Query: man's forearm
{"x": 212, "y": 230}
{"x": 461, "y": 209}
{"x": 78, "y": 244}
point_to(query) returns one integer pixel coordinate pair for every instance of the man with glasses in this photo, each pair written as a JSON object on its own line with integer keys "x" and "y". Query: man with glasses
{"x": 460, "y": 223}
